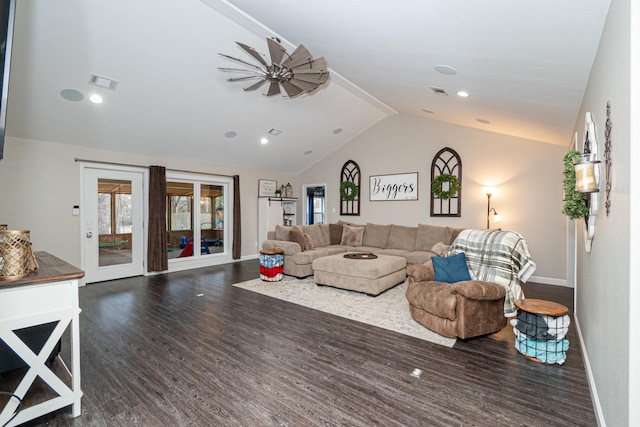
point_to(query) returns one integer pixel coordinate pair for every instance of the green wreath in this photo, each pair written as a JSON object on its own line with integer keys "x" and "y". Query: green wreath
{"x": 348, "y": 190}
{"x": 436, "y": 186}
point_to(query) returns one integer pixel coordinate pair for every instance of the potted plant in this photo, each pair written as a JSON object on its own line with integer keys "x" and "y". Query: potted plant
{"x": 575, "y": 204}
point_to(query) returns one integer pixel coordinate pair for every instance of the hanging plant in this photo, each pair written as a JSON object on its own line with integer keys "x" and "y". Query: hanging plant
{"x": 436, "y": 186}
{"x": 575, "y": 204}
{"x": 348, "y": 191}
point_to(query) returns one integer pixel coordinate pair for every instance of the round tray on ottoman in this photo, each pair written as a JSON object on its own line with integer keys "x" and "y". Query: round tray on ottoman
{"x": 361, "y": 255}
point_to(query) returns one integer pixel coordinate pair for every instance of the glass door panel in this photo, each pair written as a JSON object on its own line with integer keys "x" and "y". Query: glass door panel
{"x": 211, "y": 218}
{"x": 115, "y": 220}
{"x": 180, "y": 219}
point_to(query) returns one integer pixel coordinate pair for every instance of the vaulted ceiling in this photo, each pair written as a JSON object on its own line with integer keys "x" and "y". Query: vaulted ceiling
{"x": 525, "y": 65}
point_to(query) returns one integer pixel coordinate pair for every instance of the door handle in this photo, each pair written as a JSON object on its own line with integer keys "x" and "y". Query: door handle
{"x": 89, "y": 235}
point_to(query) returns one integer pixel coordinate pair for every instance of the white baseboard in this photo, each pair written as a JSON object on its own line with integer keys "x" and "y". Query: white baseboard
{"x": 595, "y": 399}
{"x": 547, "y": 281}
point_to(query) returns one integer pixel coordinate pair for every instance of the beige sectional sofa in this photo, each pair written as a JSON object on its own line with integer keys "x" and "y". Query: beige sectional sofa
{"x": 303, "y": 244}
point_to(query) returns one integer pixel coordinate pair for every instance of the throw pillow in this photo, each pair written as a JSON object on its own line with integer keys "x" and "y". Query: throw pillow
{"x": 308, "y": 242}
{"x": 295, "y": 235}
{"x": 440, "y": 249}
{"x": 352, "y": 236}
{"x": 335, "y": 234}
{"x": 451, "y": 269}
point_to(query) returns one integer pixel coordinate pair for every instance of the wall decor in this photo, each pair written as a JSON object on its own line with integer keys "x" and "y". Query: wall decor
{"x": 350, "y": 172}
{"x": 590, "y": 151}
{"x": 446, "y": 166}
{"x": 267, "y": 188}
{"x": 402, "y": 186}
{"x": 575, "y": 204}
{"x": 607, "y": 158}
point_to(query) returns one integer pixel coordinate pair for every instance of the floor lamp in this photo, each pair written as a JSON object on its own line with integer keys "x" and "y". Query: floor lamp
{"x": 496, "y": 218}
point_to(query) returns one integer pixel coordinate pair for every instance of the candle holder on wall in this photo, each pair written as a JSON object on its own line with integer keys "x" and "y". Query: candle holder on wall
{"x": 587, "y": 168}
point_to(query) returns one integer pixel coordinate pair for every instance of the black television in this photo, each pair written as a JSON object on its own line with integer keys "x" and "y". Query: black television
{"x": 7, "y": 17}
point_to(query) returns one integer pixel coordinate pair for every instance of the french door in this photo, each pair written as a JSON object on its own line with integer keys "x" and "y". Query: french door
{"x": 112, "y": 224}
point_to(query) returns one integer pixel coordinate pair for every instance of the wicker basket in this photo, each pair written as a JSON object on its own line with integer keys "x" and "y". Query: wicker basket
{"x": 16, "y": 254}
{"x": 3, "y": 226}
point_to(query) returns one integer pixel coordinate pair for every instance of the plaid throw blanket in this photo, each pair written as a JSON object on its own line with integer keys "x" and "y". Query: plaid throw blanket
{"x": 496, "y": 256}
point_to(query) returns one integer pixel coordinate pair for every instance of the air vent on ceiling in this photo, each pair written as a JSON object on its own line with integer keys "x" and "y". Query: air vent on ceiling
{"x": 103, "y": 82}
{"x": 275, "y": 132}
{"x": 439, "y": 91}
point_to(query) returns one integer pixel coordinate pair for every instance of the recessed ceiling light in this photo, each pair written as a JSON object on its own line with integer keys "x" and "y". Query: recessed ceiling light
{"x": 445, "y": 69}
{"x": 484, "y": 121}
{"x": 424, "y": 110}
{"x": 96, "y": 99}
{"x": 230, "y": 134}
{"x": 463, "y": 94}
{"x": 306, "y": 153}
{"x": 336, "y": 131}
{"x": 264, "y": 141}
{"x": 72, "y": 95}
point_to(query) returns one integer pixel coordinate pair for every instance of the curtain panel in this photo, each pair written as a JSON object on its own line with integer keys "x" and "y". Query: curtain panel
{"x": 157, "y": 256}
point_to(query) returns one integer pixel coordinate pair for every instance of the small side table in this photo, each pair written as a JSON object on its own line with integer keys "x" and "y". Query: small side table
{"x": 540, "y": 329}
{"x": 271, "y": 264}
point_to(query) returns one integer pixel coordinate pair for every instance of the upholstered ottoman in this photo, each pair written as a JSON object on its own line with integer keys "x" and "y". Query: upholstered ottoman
{"x": 369, "y": 275}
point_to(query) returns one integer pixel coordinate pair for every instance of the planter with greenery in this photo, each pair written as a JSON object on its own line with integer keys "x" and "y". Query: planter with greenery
{"x": 575, "y": 204}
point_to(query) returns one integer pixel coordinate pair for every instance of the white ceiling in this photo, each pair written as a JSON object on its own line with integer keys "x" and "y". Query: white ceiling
{"x": 525, "y": 64}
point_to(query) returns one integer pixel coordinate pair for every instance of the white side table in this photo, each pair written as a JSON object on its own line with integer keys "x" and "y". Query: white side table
{"x": 48, "y": 295}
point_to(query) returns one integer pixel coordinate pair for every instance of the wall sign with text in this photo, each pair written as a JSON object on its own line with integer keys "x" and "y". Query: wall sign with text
{"x": 402, "y": 186}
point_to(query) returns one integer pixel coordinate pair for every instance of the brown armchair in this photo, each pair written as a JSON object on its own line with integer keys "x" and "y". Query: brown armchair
{"x": 463, "y": 309}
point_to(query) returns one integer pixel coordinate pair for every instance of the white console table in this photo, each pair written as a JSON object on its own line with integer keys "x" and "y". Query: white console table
{"x": 49, "y": 294}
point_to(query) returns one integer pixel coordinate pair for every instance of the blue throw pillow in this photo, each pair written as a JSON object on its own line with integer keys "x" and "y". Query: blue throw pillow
{"x": 451, "y": 269}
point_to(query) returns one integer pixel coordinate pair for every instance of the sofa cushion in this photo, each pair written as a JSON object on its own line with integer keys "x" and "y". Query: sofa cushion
{"x": 376, "y": 235}
{"x": 326, "y": 233}
{"x": 352, "y": 236}
{"x": 308, "y": 242}
{"x": 316, "y": 235}
{"x": 295, "y": 235}
{"x": 282, "y": 233}
{"x": 451, "y": 269}
{"x": 335, "y": 234}
{"x": 401, "y": 237}
{"x": 429, "y": 235}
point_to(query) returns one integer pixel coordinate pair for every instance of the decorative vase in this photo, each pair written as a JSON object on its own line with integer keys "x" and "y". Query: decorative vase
{"x": 289, "y": 190}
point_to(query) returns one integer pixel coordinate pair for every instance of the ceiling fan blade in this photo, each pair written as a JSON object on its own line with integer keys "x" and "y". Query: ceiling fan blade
{"x": 317, "y": 79}
{"x": 276, "y": 51}
{"x": 248, "y": 64}
{"x": 304, "y": 85}
{"x": 255, "y": 86}
{"x": 239, "y": 79}
{"x": 299, "y": 56}
{"x": 291, "y": 89}
{"x": 251, "y": 51}
{"x": 274, "y": 89}
{"x": 316, "y": 65}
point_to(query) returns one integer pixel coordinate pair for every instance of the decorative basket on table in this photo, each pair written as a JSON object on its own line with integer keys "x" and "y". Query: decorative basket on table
{"x": 16, "y": 254}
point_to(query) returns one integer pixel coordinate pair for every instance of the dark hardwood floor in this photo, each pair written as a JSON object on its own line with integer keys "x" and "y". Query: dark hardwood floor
{"x": 189, "y": 349}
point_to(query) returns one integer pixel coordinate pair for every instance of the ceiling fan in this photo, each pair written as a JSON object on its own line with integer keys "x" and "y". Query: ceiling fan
{"x": 297, "y": 73}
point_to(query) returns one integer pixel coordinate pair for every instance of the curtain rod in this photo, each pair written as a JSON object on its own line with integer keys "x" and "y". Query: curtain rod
{"x": 141, "y": 166}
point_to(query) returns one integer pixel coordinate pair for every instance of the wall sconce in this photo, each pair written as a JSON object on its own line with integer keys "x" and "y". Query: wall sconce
{"x": 585, "y": 166}
{"x": 496, "y": 218}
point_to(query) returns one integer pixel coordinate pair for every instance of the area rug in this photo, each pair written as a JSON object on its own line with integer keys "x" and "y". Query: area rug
{"x": 388, "y": 310}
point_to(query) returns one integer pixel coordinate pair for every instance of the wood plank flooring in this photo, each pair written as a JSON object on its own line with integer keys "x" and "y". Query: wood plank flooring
{"x": 155, "y": 353}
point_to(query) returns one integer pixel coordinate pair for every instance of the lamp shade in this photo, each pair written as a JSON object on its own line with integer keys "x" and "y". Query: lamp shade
{"x": 585, "y": 166}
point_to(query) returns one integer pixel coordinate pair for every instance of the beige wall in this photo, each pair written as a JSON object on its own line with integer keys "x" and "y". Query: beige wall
{"x": 40, "y": 183}
{"x": 603, "y": 276}
{"x": 527, "y": 174}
